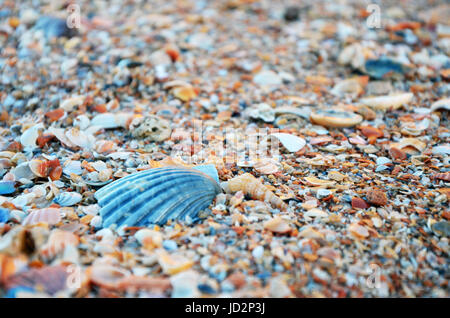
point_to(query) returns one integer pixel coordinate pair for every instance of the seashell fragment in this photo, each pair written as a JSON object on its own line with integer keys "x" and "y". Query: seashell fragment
{"x": 156, "y": 196}
{"x": 68, "y": 198}
{"x": 151, "y": 127}
{"x": 410, "y": 142}
{"x": 388, "y": 101}
{"x": 277, "y": 225}
{"x": 335, "y": 118}
{"x": 29, "y": 137}
{"x": 252, "y": 187}
{"x": 57, "y": 242}
{"x": 319, "y": 182}
{"x": 441, "y": 104}
{"x": 290, "y": 142}
{"x": 7, "y": 187}
{"x": 47, "y": 215}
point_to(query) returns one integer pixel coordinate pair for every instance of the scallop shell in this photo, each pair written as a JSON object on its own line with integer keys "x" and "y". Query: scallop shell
{"x": 156, "y": 196}
{"x": 47, "y": 215}
{"x": 67, "y": 198}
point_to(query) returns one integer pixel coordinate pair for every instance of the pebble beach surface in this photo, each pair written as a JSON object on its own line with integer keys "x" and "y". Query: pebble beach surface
{"x": 352, "y": 202}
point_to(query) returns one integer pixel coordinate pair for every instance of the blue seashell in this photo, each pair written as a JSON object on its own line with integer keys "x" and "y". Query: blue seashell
{"x": 4, "y": 215}
{"x": 378, "y": 69}
{"x": 157, "y": 195}
{"x": 68, "y": 198}
{"x": 7, "y": 187}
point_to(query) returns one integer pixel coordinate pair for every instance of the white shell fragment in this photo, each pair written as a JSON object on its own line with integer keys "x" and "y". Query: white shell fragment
{"x": 156, "y": 196}
{"x": 388, "y": 101}
{"x": 290, "y": 142}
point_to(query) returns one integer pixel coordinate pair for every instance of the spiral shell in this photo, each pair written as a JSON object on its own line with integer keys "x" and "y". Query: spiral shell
{"x": 156, "y": 196}
{"x": 67, "y": 198}
{"x": 252, "y": 187}
{"x": 47, "y": 215}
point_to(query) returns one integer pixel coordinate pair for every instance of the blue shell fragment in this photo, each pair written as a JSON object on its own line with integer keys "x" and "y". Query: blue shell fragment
{"x": 157, "y": 195}
{"x": 4, "y": 215}
{"x": 383, "y": 67}
{"x": 7, "y": 187}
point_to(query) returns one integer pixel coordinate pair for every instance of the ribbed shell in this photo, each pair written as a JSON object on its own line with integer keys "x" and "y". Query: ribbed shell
{"x": 68, "y": 198}
{"x": 155, "y": 196}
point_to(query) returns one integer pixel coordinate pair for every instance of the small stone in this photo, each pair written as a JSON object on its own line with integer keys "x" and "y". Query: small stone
{"x": 376, "y": 197}
{"x": 358, "y": 203}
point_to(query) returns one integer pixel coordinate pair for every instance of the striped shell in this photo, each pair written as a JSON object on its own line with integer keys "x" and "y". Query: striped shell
{"x": 157, "y": 195}
{"x": 252, "y": 187}
{"x": 67, "y": 198}
{"x": 443, "y": 176}
{"x": 47, "y": 215}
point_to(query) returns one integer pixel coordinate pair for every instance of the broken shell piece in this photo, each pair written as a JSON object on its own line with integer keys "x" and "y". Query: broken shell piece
{"x": 414, "y": 129}
{"x": 358, "y": 230}
{"x": 48, "y": 215}
{"x": 266, "y": 166}
{"x": 67, "y": 198}
{"x": 290, "y": 142}
{"x": 110, "y": 120}
{"x": 70, "y": 103}
{"x": 252, "y": 187}
{"x": 410, "y": 142}
{"x": 57, "y": 242}
{"x": 262, "y": 111}
{"x": 277, "y": 225}
{"x": 315, "y": 213}
{"x": 156, "y": 196}
{"x": 29, "y": 137}
{"x": 152, "y": 127}
{"x": 173, "y": 264}
{"x": 80, "y": 138}
{"x": 319, "y": 182}
{"x": 335, "y": 118}
{"x": 441, "y": 104}
{"x": 389, "y": 101}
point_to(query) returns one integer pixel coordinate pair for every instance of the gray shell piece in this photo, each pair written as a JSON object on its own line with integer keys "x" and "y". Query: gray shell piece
{"x": 156, "y": 195}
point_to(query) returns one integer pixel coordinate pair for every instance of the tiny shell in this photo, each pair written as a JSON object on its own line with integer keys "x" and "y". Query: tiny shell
{"x": 315, "y": 213}
{"x": 266, "y": 166}
{"x": 412, "y": 142}
{"x": 252, "y": 187}
{"x": 388, "y": 101}
{"x": 358, "y": 230}
{"x": 319, "y": 182}
{"x": 46, "y": 215}
{"x": 335, "y": 118}
{"x": 173, "y": 263}
{"x": 156, "y": 196}
{"x": 277, "y": 225}
{"x": 290, "y": 142}
{"x": 68, "y": 198}
{"x": 70, "y": 103}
